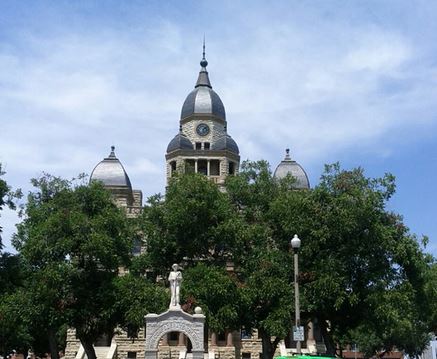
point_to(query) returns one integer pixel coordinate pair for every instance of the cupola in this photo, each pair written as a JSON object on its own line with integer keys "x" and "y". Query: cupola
{"x": 291, "y": 167}
{"x": 112, "y": 174}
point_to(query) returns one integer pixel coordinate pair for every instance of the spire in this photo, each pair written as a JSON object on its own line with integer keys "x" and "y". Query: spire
{"x": 203, "y": 79}
{"x": 203, "y": 63}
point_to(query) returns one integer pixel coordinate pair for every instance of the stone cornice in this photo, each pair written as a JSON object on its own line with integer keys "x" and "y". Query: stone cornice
{"x": 202, "y": 154}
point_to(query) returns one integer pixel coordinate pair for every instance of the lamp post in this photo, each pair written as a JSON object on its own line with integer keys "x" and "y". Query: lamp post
{"x": 295, "y": 244}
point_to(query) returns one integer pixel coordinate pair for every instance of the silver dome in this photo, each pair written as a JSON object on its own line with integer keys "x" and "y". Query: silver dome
{"x": 203, "y": 99}
{"x": 225, "y": 142}
{"x": 179, "y": 142}
{"x": 290, "y": 167}
{"x": 111, "y": 172}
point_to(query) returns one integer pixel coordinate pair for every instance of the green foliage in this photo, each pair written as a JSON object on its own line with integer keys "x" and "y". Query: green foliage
{"x": 267, "y": 292}
{"x": 73, "y": 239}
{"x": 14, "y": 332}
{"x": 357, "y": 260}
{"x": 393, "y": 320}
{"x": 195, "y": 222}
{"x": 136, "y": 297}
{"x": 431, "y": 295}
{"x": 11, "y": 275}
{"x": 361, "y": 257}
{"x": 263, "y": 260}
{"x": 216, "y": 292}
{"x": 26, "y": 318}
{"x": 363, "y": 277}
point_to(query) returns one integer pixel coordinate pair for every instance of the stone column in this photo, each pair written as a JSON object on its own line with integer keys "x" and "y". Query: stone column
{"x": 208, "y": 168}
{"x": 229, "y": 340}
{"x": 181, "y": 339}
{"x": 195, "y": 166}
{"x": 214, "y": 339}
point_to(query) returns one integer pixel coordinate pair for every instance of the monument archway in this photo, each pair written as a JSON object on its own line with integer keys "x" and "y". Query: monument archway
{"x": 174, "y": 320}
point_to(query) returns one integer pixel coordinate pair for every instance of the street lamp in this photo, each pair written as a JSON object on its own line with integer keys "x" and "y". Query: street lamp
{"x": 295, "y": 244}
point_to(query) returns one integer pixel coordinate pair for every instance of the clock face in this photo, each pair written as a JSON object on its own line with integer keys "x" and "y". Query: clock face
{"x": 202, "y": 129}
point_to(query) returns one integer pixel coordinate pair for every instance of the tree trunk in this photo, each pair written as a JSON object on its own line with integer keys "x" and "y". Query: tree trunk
{"x": 88, "y": 347}
{"x": 53, "y": 344}
{"x": 331, "y": 349}
{"x": 268, "y": 346}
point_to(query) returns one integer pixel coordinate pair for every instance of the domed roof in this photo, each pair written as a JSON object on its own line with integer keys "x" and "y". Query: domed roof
{"x": 203, "y": 99}
{"x": 111, "y": 172}
{"x": 225, "y": 142}
{"x": 179, "y": 142}
{"x": 290, "y": 167}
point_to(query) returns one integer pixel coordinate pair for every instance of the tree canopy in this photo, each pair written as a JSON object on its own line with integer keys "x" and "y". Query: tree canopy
{"x": 357, "y": 258}
{"x": 72, "y": 240}
{"x": 364, "y": 278}
{"x": 194, "y": 222}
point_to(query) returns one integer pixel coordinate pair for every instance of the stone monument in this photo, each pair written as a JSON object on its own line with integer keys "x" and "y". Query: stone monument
{"x": 175, "y": 320}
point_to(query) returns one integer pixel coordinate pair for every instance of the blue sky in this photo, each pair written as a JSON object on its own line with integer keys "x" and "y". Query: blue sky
{"x": 354, "y": 82}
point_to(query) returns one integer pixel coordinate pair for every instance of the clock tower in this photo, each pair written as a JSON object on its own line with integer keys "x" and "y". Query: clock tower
{"x": 203, "y": 144}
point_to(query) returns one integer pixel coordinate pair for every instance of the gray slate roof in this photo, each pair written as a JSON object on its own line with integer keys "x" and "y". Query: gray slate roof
{"x": 290, "y": 167}
{"x": 179, "y": 142}
{"x": 111, "y": 172}
{"x": 226, "y": 142}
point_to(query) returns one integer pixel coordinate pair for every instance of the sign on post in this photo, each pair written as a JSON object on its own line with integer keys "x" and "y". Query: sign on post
{"x": 298, "y": 334}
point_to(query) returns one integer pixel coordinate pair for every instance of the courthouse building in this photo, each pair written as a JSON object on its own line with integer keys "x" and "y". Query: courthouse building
{"x": 203, "y": 145}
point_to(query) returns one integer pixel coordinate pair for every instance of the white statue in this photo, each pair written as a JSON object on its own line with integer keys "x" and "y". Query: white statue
{"x": 175, "y": 279}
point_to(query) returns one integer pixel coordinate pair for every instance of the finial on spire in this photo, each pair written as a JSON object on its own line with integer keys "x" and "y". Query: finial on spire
{"x": 203, "y": 63}
{"x": 287, "y": 154}
{"x": 203, "y": 79}
{"x": 112, "y": 154}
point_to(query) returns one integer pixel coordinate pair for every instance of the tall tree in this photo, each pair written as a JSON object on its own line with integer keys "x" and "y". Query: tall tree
{"x": 264, "y": 267}
{"x": 73, "y": 239}
{"x": 357, "y": 259}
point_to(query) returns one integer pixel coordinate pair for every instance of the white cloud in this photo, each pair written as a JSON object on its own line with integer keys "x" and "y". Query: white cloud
{"x": 318, "y": 84}
{"x": 378, "y": 51}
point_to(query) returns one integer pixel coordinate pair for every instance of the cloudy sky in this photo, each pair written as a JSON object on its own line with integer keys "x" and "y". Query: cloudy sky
{"x": 354, "y": 82}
